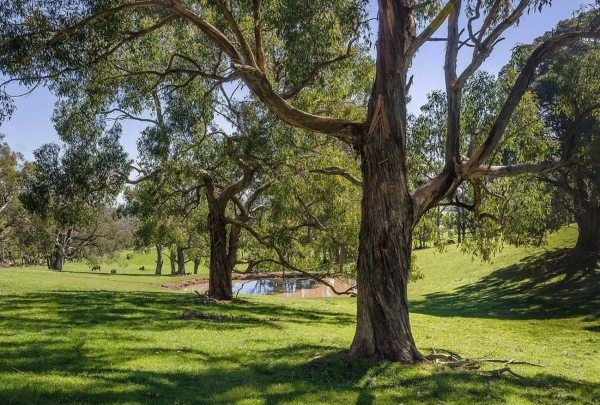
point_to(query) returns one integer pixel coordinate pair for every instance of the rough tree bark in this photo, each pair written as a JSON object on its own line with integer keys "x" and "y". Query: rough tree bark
{"x": 383, "y": 328}
{"x": 219, "y": 280}
{"x": 180, "y": 260}
{"x": 587, "y": 216}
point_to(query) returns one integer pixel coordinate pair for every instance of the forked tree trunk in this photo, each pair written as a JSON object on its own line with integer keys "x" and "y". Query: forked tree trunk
{"x": 159, "y": 259}
{"x": 58, "y": 259}
{"x": 219, "y": 279}
{"x": 383, "y": 328}
{"x": 587, "y": 216}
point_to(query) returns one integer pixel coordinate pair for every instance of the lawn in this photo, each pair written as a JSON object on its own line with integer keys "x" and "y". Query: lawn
{"x": 78, "y": 337}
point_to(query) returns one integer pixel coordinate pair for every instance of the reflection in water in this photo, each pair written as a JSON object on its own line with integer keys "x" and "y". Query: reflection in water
{"x": 290, "y": 287}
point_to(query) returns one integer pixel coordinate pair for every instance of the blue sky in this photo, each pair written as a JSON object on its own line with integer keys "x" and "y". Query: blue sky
{"x": 30, "y": 126}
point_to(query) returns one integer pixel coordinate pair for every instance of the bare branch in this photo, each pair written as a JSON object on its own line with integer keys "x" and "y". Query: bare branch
{"x": 238, "y": 33}
{"x": 426, "y": 34}
{"x": 338, "y": 171}
{"x": 258, "y": 39}
{"x": 496, "y": 172}
{"x": 487, "y": 44}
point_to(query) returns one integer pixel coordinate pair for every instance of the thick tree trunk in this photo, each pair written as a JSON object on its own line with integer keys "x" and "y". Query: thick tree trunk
{"x": 384, "y": 255}
{"x": 234, "y": 245}
{"x": 383, "y": 328}
{"x": 180, "y": 260}
{"x": 159, "y": 259}
{"x": 219, "y": 283}
{"x": 61, "y": 247}
{"x": 58, "y": 258}
{"x": 587, "y": 216}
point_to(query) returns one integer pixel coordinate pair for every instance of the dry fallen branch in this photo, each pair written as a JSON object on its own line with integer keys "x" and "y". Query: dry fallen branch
{"x": 455, "y": 361}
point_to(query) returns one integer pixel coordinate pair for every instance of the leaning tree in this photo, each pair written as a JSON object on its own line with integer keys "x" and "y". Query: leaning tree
{"x": 281, "y": 50}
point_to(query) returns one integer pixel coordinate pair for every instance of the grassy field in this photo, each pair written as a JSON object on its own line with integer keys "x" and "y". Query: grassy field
{"x": 78, "y": 337}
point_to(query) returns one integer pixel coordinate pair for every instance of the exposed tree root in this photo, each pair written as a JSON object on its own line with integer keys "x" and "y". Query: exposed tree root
{"x": 454, "y": 361}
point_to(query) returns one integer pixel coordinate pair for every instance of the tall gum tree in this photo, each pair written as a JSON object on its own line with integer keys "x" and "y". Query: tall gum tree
{"x": 569, "y": 92}
{"x": 278, "y": 54}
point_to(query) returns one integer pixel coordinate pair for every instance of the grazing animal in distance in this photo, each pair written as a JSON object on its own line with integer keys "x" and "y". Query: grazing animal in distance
{"x": 96, "y": 268}
{"x": 142, "y": 268}
{"x": 113, "y": 271}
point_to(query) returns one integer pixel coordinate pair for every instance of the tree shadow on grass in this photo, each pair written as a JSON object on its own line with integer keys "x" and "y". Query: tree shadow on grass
{"x": 147, "y": 311}
{"x": 284, "y": 375}
{"x": 91, "y": 348}
{"x": 557, "y": 284}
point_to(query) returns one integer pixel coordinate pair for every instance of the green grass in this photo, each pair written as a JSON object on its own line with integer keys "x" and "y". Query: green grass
{"x": 77, "y": 337}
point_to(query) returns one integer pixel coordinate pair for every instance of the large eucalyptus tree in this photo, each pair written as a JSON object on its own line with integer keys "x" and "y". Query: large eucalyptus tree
{"x": 281, "y": 51}
{"x": 568, "y": 88}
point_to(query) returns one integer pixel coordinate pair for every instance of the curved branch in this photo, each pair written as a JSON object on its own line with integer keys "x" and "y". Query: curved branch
{"x": 542, "y": 52}
{"x": 338, "y": 171}
{"x": 259, "y": 84}
{"x": 238, "y": 33}
{"x": 209, "y": 30}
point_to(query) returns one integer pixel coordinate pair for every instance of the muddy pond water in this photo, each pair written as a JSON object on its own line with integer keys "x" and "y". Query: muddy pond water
{"x": 289, "y": 287}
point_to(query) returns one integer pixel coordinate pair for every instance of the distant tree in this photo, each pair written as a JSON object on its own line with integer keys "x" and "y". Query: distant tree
{"x": 67, "y": 190}
{"x": 11, "y": 213}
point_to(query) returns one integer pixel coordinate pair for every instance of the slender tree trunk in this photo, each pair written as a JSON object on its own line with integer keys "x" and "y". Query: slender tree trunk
{"x": 587, "y": 216}
{"x": 196, "y": 264}
{"x": 180, "y": 260}
{"x": 384, "y": 255}
{"x": 173, "y": 261}
{"x": 159, "y": 259}
{"x": 459, "y": 225}
{"x": 219, "y": 283}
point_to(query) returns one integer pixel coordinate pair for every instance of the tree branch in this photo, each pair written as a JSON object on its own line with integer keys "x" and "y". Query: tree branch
{"x": 338, "y": 171}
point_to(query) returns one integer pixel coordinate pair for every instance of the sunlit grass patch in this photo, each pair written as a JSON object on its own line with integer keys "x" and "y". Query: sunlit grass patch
{"x": 77, "y": 337}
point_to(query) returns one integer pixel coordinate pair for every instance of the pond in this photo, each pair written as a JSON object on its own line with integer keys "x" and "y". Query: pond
{"x": 289, "y": 287}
